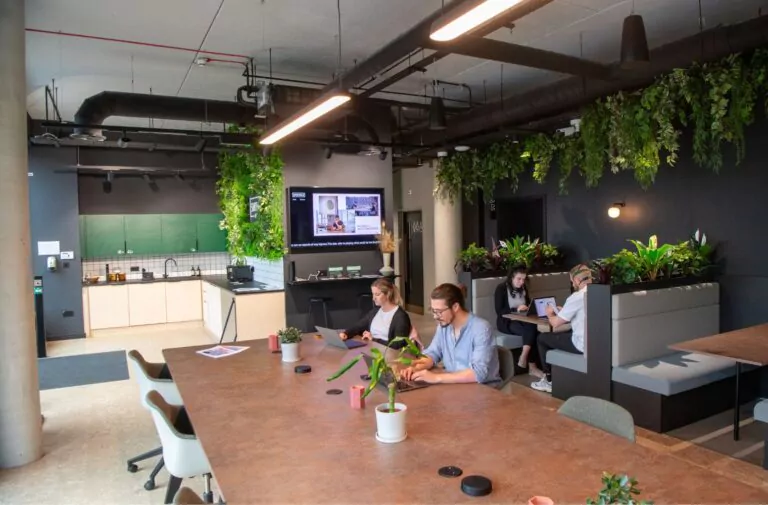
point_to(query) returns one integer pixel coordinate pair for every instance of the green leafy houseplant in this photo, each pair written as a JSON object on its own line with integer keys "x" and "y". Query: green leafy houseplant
{"x": 380, "y": 368}
{"x": 247, "y": 175}
{"x": 289, "y": 335}
{"x": 653, "y": 258}
{"x": 618, "y": 489}
{"x": 519, "y": 251}
{"x": 473, "y": 259}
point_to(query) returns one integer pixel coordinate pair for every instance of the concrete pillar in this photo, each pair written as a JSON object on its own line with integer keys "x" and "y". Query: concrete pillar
{"x": 447, "y": 239}
{"x": 20, "y": 423}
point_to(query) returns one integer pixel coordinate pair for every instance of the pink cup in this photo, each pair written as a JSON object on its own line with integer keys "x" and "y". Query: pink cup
{"x": 356, "y": 400}
{"x": 540, "y": 500}
{"x": 274, "y": 345}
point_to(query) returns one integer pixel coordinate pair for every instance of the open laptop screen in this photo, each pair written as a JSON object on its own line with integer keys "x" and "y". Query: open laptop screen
{"x": 541, "y": 305}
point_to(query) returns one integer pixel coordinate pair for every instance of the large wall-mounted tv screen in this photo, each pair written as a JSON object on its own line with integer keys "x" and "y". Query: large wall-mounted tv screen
{"x": 323, "y": 219}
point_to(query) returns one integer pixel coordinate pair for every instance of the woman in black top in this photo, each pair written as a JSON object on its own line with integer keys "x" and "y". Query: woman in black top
{"x": 386, "y": 321}
{"x": 511, "y": 297}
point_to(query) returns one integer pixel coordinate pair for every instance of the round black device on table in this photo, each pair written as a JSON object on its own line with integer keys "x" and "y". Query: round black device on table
{"x": 303, "y": 369}
{"x": 334, "y": 392}
{"x": 476, "y": 485}
{"x": 449, "y": 471}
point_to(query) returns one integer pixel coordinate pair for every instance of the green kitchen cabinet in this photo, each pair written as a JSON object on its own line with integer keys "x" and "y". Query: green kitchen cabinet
{"x": 104, "y": 236}
{"x": 179, "y": 233}
{"x": 143, "y": 234}
{"x": 209, "y": 237}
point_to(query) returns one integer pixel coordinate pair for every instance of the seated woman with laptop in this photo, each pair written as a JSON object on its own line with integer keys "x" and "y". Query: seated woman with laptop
{"x": 511, "y": 297}
{"x": 387, "y": 321}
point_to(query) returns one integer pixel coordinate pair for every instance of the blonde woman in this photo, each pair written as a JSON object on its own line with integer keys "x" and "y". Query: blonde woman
{"x": 386, "y": 321}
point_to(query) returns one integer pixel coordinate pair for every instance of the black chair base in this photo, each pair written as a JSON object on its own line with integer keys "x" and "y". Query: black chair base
{"x": 150, "y": 484}
{"x": 175, "y": 483}
{"x": 131, "y": 464}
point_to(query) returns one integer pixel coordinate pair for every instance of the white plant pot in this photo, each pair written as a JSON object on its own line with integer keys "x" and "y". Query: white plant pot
{"x": 387, "y": 269}
{"x": 290, "y": 352}
{"x": 390, "y": 426}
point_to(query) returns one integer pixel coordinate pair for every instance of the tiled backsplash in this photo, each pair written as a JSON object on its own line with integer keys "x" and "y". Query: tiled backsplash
{"x": 209, "y": 263}
{"x": 270, "y": 273}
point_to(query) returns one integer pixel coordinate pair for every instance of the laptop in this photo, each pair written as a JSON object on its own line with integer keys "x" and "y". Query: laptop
{"x": 332, "y": 338}
{"x": 539, "y": 306}
{"x": 402, "y": 385}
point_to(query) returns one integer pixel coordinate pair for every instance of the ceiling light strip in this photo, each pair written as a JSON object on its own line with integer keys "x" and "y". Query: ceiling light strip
{"x": 306, "y": 118}
{"x": 471, "y": 19}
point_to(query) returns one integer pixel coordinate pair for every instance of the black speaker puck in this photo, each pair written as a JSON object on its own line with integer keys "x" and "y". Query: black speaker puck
{"x": 334, "y": 392}
{"x": 303, "y": 369}
{"x": 476, "y": 485}
{"x": 449, "y": 471}
{"x": 365, "y": 377}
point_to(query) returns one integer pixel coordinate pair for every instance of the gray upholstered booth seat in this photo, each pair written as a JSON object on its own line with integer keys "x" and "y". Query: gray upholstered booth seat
{"x": 761, "y": 411}
{"x": 674, "y": 373}
{"x": 509, "y": 341}
{"x": 575, "y": 362}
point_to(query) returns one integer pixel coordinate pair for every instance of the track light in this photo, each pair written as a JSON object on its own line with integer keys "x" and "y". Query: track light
{"x": 123, "y": 141}
{"x": 467, "y": 17}
{"x": 383, "y": 155}
{"x": 328, "y": 153}
{"x": 634, "y": 45}
{"x": 437, "y": 114}
{"x": 152, "y": 184}
{"x": 307, "y": 117}
{"x": 107, "y": 184}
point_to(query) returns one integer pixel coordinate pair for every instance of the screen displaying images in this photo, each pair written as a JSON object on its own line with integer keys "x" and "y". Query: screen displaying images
{"x": 335, "y": 217}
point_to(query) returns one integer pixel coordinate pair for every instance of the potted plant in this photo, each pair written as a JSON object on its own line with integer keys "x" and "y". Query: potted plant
{"x": 387, "y": 247}
{"x": 289, "y": 344}
{"x": 390, "y": 416}
{"x": 618, "y": 489}
{"x": 473, "y": 259}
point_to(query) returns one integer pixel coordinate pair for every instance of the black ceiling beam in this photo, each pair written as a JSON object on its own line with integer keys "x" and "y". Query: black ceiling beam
{"x": 570, "y": 94}
{"x": 419, "y": 66}
{"x": 495, "y": 50}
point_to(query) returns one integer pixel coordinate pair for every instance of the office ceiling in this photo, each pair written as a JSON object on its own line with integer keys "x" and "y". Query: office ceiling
{"x": 302, "y": 36}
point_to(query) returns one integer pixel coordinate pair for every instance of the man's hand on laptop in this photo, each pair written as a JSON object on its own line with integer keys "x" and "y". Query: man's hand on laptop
{"x": 417, "y": 365}
{"x": 426, "y": 376}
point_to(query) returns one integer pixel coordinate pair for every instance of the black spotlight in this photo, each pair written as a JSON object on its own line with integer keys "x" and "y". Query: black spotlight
{"x": 634, "y": 45}
{"x": 437, "y": 114}
{"x": 328, "y": 153}
{"x": 107, "y": 184}
{"x": 383, "y": 155}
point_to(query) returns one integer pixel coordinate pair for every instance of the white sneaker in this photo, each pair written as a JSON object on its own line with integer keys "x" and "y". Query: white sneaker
{"x": 542, "y": 385}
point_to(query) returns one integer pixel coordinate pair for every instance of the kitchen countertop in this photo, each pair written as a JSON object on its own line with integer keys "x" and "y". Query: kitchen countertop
{"x": 216, "y": 280}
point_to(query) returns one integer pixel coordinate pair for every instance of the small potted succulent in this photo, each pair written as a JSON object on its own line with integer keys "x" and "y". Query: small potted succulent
{"x": 618, "y": 489}
{"x": 289, "y": 344}
{"x": 390, "y": 416}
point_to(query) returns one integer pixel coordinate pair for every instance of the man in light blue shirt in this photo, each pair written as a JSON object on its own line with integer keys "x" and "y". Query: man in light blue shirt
{"x": 463, "y": 342}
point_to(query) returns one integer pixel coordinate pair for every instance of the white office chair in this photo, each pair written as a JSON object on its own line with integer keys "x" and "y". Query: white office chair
{"x": 147, "y": 375}
{"x": 183, "y": 455}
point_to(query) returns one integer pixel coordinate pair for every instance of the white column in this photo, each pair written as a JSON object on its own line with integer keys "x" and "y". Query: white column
{"x": 20, "y": 423}
{"x": 447, "y": 239}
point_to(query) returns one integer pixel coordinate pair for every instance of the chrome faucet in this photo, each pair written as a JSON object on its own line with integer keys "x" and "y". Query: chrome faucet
{"x": 165, "y": 267}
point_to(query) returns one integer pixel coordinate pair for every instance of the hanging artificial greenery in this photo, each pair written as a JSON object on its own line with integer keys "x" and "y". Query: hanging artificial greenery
{"x": 252, "y": 178}
{"x": 634, "y": 131}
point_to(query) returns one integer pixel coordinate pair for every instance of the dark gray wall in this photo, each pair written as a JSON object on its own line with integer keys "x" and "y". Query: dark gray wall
{"x": 729, "y": 208}
{"x": 54, "y": 216}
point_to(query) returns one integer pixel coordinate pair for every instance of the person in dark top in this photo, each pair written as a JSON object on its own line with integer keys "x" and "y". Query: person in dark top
{"x": 386, "y": 321}
{"x": 511, "y": 297}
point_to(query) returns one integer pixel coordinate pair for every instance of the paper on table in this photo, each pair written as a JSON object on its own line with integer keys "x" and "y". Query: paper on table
{"x": 50, "y": 248}
{"x": 222, "y": 351}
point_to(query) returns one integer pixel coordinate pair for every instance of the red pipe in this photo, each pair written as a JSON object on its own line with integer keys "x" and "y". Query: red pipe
{"x": 148, "y": 44}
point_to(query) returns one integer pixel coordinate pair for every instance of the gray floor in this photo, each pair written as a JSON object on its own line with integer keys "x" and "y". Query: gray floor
{"x": 81, "y": 370}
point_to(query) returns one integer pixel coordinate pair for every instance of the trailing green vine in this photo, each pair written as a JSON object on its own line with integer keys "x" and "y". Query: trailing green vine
{"x": 635, "y": 130}
{"x": 245, "y": 175}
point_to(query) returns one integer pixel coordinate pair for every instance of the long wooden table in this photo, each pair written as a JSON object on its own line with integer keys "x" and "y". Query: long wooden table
{"x": 747, "y": 345}
{"x": 274, "y": 436}
{"x": 542, "y": 324}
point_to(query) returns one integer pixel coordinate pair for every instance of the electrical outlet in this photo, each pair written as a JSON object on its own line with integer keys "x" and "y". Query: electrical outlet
{"x": 68, "y": 313}
{"x": 134, "y": 269}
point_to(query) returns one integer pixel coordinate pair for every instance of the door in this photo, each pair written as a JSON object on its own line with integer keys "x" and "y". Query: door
{"x": 104, "y": 236}
{"x": 209, "y": 237}
{"x": 525, "y": 217}
{"x": 414, "y": 262}
{"x": 179, "y": 233}
{"x": 143, "y": 234}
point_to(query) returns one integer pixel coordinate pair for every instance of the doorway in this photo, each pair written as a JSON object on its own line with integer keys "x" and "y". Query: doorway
{"x": 525, "y": 217}
{"x": 413, "y": 292}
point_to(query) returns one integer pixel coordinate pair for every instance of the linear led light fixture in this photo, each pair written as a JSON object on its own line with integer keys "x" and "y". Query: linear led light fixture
{"x": 479, "y": 13}
{"x": 307, "y": 117}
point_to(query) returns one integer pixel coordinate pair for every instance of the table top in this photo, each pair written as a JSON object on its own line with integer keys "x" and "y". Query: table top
{"x": 747, "y": 345}
{"x": 543, "y": 324}
{"x": 274, "y": 436}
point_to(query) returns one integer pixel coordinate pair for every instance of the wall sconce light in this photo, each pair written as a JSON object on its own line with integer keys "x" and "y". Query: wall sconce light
{"x": 614, "y": 210}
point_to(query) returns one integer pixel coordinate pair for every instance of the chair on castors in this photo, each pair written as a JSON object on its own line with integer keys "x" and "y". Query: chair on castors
{"x": 147, "y": 375}
{"x": 182, "y": 452}
{"x": 364, "y": 303}
{"x": 313, "y": 302}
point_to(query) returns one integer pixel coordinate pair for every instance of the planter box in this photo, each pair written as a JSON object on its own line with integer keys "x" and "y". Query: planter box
{"x": 659, "y": 284}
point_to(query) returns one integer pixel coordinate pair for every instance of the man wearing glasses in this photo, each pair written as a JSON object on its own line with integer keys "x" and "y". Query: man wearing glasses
{"x": 463, "y": 342}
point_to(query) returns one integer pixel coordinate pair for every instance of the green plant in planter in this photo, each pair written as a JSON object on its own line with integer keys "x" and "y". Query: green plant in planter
{"x": 473, "y": 259}
{"x": 549, "y": 254}
{"x": 519, "y": 251}
{"x": 289, "y": 335}
{"x": 380, "y": 368}
{"x": 618, "y": 489}
{"x": 653, "y": 259}
{"x": 623, "y": 267}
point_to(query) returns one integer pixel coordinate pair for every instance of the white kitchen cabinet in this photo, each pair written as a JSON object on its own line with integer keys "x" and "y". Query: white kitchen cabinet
{"x": 183, "y": 301}
{"x": 212, "y": 309}
{"x": 108, "y": 307}
{"x": 146, "y": 303}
